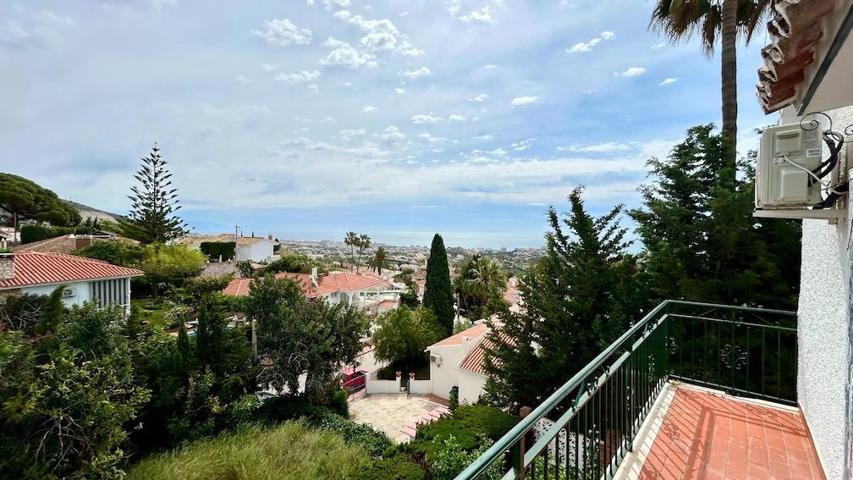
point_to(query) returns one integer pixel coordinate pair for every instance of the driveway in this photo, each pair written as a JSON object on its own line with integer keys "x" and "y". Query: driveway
{"x": 391, "y": 412}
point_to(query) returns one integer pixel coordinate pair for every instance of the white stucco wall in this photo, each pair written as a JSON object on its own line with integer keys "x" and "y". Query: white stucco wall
{"x": 824, "y": 360}
{"x": 81, "y": 291}
{"x": 260, "y": 251}
{"x": 470, "y": 386}
{"x": 446, "y": 376}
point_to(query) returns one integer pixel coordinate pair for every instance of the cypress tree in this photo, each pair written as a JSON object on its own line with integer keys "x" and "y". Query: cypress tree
{"x": 438, "y": 294}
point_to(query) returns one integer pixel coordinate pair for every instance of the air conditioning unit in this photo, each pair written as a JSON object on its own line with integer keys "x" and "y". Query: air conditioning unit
{"x": 436, "y": 359}
{"x": 793, "y": 179}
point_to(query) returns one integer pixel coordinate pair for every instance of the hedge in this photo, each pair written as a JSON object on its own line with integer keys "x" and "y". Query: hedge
{"x": 34, "y": 233}
{"x": 217, "y": 250}
{"x": 469, "y": 424}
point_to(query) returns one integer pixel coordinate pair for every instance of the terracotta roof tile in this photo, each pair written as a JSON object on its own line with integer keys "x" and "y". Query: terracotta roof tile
{"x": 472, "y": 333}
{"x": 65, "y": 244}
{"x": 331, "y": 283}
{"x": 474, "y": 361}
{"x": 37, "y": 268}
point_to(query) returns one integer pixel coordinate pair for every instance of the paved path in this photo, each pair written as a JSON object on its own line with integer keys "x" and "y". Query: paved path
{"x": 390, "y": 413}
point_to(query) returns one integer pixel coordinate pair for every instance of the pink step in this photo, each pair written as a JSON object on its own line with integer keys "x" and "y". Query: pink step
{"x": 442, "y": 410}
{"x": 407, "y": 430}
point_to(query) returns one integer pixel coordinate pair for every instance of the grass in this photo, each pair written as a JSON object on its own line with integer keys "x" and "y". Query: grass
{"x": 154, "y": 310}
{"x": 289, "y": 451}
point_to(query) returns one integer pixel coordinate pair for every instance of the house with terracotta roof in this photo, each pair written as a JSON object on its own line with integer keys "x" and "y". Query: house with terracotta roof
{"x": 362, "y": 290}
{"x": 84, "y": 279}
{"x": 68, "y": 244}
{"x": 457, "y": 361}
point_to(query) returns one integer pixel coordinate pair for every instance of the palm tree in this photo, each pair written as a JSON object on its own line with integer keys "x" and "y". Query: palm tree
{"x": 379, "y": 260}
{"x": 352, "y": 240}
{"x": 363, "y": 243}
{"x": 710, "y": 19}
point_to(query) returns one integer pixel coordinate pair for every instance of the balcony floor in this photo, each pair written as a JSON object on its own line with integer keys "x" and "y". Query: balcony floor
{"x": 700, "y": 434}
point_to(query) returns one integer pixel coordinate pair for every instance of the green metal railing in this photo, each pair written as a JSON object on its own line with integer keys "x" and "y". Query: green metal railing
{"x": 585, "y": 428}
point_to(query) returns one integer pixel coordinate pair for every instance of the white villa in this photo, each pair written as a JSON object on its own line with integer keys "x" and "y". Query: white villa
{"x": 457, "y": 361}
{"x": 254, "y": 249}
{"x": 84, "y": 279}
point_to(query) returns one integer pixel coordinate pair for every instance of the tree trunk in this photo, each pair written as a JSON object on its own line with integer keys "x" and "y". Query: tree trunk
{"x": 728, "y": 59}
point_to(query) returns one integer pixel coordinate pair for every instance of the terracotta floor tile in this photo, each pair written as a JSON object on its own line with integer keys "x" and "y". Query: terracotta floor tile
{"x": 707, "y": 436}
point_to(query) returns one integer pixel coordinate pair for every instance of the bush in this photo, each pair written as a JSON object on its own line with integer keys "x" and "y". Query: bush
{"x": 34, "y": 233}
{"x": 449, "y": 459}
{"x": 217, "y": 250}
{"x": 117, "y": 252}
{"x": 288, "y": 451}
{"x": 245, "y": 268}
{"x": 469, "y": 425}
{"x": 289, "y": 262}
{"x": 453, "y": 399}
{"x": 394, "y": 468}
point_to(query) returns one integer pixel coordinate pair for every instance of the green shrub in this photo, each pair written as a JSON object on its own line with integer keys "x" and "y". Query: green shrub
{"x": 34, "y": 233}
{"x": 117, "y": 252}
{"x": 394, "y": 468}
{"x": 245, "y": 268}
{"x": 469, "y": 425}
{"x": 449, "y": 458}
{"x": 217, "y": 250}
{"x": 453, "y": 399}
{"x": 374, "y": 442}
{"x": 289, "y": 262}
{"x": 288, "y": 451}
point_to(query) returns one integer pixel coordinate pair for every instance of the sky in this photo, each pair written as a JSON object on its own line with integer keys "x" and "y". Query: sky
{"x": 310, "y": 118}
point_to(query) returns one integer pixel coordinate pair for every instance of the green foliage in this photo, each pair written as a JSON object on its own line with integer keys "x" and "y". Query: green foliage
{"x": 152, "y": 217}
{"x": 25, "y": 200}
{"x": 197, "y": 287}
{"x": 297, "y": 336}
{"x": 290, "y": 450}
{"x": 404, "y": 334}
{"x": 32, "y": 314}
{"x": 117, "y": 252}
{"x": 393, "y": 468}
{"x": 470, "y": 425}
{"x": 438, "y": 295}
{"x": 409, "y": 299}
{"x": 379, "y": 260}
{"x": 289, "y": 262}
{"x": 372, "y": 441}
{"x": 218, "y": 250}
{"x": 480, "y": 288}
{"x": 701, "y": 240}
{"x": 245, "y": 268}
{"x": 34, "y": 233}
{"x": 170, "y": 264}
{"x": 450, "y": 457}
{"x": 65, "y": 407}
{"x": 453, "y": 400}
{"x": 578, "y": 299}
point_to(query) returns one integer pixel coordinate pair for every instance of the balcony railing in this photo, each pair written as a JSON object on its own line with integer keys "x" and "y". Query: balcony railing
{"x": 585, "y": 428}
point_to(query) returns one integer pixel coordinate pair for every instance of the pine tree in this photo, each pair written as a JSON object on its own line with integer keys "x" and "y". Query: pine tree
{"x": 578, "y": 298}
{"x": 701, "y": 240}
{"x": 152, "y": 218}
{"x": 438, "y": 293}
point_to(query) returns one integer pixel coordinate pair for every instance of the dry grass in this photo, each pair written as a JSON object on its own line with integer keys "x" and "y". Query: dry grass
{"x": 288, "y": 451}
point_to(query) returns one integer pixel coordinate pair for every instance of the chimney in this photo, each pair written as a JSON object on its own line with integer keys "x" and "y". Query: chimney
{"x": 82, "y": 241}
{"x": 7, "y": 266}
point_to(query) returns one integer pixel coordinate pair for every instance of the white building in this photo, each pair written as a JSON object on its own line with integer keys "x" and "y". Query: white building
{"x": 808, "y": 67}
{"x": 457, "y": 361}
{"x": 84, "y": 279}
{"x": 254, "y": 249}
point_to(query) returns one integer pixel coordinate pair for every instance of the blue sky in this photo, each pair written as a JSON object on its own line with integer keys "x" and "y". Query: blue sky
{"x": 307, "y": 119}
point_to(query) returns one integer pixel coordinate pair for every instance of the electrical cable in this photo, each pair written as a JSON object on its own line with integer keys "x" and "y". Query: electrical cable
{"x": 812, "y": 174}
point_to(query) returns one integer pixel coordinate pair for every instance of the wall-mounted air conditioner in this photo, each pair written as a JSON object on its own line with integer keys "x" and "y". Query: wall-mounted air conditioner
{"x": 796, "y": 177}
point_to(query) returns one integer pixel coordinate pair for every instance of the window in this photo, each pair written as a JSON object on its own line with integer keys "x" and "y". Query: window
{"x": 106, "y": 293}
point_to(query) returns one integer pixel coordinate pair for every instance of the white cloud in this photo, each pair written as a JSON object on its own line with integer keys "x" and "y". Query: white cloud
{"x": 329, "y": 4}
{"x": 313, "y": 87}
{"x": 490, "y": 66}
{"x": 634, "y": 72}
{"x": 343, "y": 54}
{"x": 382, "y": 35}
{"x": 349, "y": 134}
{"x": 667, "y": 81}
{"x": 416, "y": 73}
{"x": 525, "y": 100}
{"x": 522, "y": 145}
{"x": 392, "y": 134}
{"x": 485, "y": 136}
{"x": 243, "y": 79}
{"x": 369, "y": 109}
{"x": 298, "y": 77}
{"x": 658, "y": 46}
{"x": 607, "y": 147}
{"x": 484, "y": 14}
{"x": 588, "y": 46}
{"x": 455, "y": 118}
{"x": 282, "y": 32}
{"x": 498, "y": 152}
{"x": 267, "y": 67}
{"x": 425, "y": 118}
{"x": 479, "y": 98}
{"x": 400, "y": 91}
{"x": 46, "y": 16}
